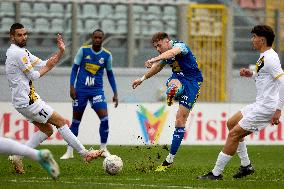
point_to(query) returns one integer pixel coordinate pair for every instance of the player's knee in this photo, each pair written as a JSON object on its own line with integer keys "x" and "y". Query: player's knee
{"x": 234, "y": 136}
{"x": 180, "y": 120}
{"x": 49, "y": 132}
{"x": 61, "y": 122}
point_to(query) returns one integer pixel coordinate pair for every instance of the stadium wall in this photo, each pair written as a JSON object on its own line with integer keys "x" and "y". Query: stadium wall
{"x": 143, "y": 123}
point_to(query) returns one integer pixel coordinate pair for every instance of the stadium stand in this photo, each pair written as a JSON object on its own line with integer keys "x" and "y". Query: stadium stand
{"x": 56, "y": 10}
{"x": 28, "y": 23}
{"x": 90, "y": 11}
{"x": 44, "y": 19}
{"x": 91, "y": 24}
{"x": 41, "y": 25}
{"x": 7, "y": 9}
{"x": 26, "y": 9}
{"x": 40, "y": 10}
{"x": 6, "y": 23}
{"x": 120, "y": 12}
{"x": 57, "y": 25}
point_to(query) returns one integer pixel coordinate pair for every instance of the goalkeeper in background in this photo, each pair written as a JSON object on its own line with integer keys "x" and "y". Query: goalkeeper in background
{"x": 86, "y": 85}
{"x": 183, "y": 85}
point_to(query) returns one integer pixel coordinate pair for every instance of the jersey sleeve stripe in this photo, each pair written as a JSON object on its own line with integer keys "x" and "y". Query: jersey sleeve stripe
{"x": 280, "y": 75}
{"x": 35, "y": 62}
{"x": 107, "y": 51}
{"x": 28, "y": 69}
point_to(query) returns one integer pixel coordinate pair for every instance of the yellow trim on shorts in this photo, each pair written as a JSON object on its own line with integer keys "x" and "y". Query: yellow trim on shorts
{"x": 280, "y": 75}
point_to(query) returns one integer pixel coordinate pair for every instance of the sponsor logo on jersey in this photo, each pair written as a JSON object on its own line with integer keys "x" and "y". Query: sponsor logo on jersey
{"x": 25, "y": 60}
{"x": 92, "y": 68}
{"x": 90, "y": 81}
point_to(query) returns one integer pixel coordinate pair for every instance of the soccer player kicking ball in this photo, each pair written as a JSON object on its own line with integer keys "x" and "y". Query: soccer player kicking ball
{"x": 254, "y": 117}
{"x": 43, "y": 157}
{"x": 183, "y": 85}
{"x": 20, "y": 70}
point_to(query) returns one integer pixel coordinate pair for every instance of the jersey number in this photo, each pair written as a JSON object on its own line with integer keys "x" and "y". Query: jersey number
{"x": 43, "y": 113}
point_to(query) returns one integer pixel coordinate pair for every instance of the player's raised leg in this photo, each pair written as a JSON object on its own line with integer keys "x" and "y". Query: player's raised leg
{"x": 71, "y": 139}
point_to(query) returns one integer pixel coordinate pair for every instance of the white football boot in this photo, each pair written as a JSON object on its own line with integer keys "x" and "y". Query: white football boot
{"x": 68, "y": 154}
{"x": 48, "y": 163}
{"x": 105, "y": 152}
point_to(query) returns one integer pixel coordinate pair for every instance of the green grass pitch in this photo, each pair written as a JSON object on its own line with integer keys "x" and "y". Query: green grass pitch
{"x": 138, "y": 171}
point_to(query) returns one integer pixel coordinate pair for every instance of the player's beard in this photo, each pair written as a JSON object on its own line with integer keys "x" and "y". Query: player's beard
{"x": 21, "y": 44}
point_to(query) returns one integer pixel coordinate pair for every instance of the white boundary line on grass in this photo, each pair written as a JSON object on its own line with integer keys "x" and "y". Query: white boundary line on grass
{"x": 100, "y": 183}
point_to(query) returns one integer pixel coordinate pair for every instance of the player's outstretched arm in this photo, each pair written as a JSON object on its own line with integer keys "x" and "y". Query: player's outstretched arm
{"x": 164, "y": 56}
{"x": 156, "y": 67}
{"x": 52, "y": 61}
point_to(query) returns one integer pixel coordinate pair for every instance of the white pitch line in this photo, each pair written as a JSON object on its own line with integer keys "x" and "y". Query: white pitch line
{"x": 100, "y": 183}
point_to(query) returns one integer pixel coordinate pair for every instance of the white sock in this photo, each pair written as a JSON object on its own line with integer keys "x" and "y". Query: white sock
{"x": 36, "y": 139}
{"x": 170, "y": 158}
{"x": 11, "y": 147}
{"x": 243, "y": 154}
{"x": 69, "y": 149}
{"x": 220, "y": 164}
{"x": 103, "y": 146}
{"x": 72, "y": 140}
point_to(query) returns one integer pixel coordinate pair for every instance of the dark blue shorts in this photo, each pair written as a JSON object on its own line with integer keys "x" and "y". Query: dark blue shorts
{"x": 97, "y": 101}
{"x": 190, "y": 93}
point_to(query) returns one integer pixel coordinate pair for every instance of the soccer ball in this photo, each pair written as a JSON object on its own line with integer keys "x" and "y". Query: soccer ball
{"x": 112, "y": 164}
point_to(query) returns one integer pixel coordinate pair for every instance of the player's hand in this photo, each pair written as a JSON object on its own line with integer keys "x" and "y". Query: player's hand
{"x": 149, "y": 63}
{"x": 276, "y": 117}
{"x": 115, "y": 100}
{"x": 72, "y": 92}
{"x": 244, "y": 72}
{"x": 60, "y": 43}
{"x": 135, "y": 83}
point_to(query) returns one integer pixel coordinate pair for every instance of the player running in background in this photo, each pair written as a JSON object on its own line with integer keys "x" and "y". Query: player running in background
{"x": 86, "y": 85}
{"x": 183, "y": 85}
{"x": 43, "y": 157}
{"x": 20, "y": 70}
{"x": 264, "y": 111}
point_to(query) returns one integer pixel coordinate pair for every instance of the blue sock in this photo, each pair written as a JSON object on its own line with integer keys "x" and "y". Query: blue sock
{"x": 75, "y": 126}
{"x": 177, "y": 138}
{"x": 104, "y": 129}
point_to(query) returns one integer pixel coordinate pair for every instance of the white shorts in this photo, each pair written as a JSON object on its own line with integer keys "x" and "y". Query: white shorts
{"x": 255, "y": 117}
{"x": 39, "y": 111}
